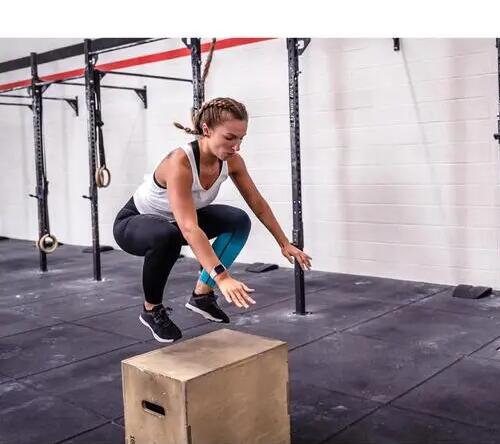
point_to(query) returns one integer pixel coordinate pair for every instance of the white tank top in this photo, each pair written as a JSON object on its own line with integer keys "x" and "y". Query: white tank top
{"x": 151, "y": 198}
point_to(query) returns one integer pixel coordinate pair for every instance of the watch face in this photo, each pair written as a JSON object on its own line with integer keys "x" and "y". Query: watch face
{"x": 219, "y": 269}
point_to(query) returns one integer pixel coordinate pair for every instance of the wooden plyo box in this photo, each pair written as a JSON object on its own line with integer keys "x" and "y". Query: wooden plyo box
{"x": 224, "y": 387}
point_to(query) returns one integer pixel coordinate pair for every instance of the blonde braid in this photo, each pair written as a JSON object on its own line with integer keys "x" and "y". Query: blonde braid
{"x": 211, "y": 113}
{"x": 186, "y": 129}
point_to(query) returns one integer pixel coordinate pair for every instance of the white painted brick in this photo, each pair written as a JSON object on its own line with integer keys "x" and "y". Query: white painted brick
{"x": 331, "y": 100}
{"x": 380, "y": 76}
{"x": 435, "y": 90}
{"x": 402, "y": 214}
{"x": 433, "y": 48}
{"x": 455, "y": 66}
{"x": 400, "y": 270}
{"x": 459, "y": 152}
{"x": 430, "y": 236}
{"x": 420, "y": 255}
{"x": 404, "y": 174}
{"x": 470, "y": 195}
{"x": 444, "y": 111}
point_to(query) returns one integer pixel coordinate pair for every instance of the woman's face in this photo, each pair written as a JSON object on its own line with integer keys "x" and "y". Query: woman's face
{"x": 225, "y": 139}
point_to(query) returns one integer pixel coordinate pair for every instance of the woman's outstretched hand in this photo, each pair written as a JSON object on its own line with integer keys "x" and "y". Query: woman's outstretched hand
{"x": 291, "y": 252}
{"x": 234, "y": 291}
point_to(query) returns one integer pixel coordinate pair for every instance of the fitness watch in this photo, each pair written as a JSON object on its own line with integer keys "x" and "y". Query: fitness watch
{"x": 218, "y": 269}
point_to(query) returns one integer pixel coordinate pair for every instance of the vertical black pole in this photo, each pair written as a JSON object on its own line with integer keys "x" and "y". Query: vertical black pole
{"x": 198, "y": 87}
{"x": 497, "y": 135}
{"x": 41, "y": 191}
{"x": 91, "y": 135}
{"x": 298, "y": 231}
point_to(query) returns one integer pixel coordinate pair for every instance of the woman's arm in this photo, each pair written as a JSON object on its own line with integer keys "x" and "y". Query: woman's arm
{"x": 259, "y": 206}
{"x": 242, "y": 180}
{"x": 179, "y": 181}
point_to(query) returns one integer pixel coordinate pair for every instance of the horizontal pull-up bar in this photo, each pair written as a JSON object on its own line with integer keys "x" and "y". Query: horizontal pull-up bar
{"x": 66, "y": 52}
{"x": 51, "y": 82}
{"x": 130, "y": 45}
{"x": 148, "y": 76}
{"x": 19, "y": 96}
{"x": 17, "y": 88}
{"x": 130, "y": 88}
{"x": 15, "y": 104}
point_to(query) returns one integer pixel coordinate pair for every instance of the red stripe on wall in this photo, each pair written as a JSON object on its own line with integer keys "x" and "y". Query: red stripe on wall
{"x": 136, "y": 61}
{"x": 63, "y": 75}
{"x": 19, "y": 83}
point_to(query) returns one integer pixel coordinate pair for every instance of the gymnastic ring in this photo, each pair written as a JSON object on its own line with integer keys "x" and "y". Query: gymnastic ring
{"x": 102, "y": 177}
{"x": 47, "y": 243}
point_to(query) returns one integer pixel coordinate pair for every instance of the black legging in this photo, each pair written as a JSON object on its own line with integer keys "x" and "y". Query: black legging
{"x": 160, "y": 241}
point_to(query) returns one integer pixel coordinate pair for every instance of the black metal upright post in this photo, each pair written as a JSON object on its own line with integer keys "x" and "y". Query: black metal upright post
{"x": 42, "y": 185}
{"x": 298, "y": 229}
{"x": 497, "y": 135}
{"x": 92, "y": 142}
{"x": 198, "y": 87}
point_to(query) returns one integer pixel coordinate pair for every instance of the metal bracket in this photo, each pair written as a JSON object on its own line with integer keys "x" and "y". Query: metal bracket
{"x": 302, "y": 44}
{"x": 143, "y": 95}
{"x": 16, "y": 104}
{"x": 396, "y": 44}
{"x": 73, "y": 103}
{"x": 43, "y": 87}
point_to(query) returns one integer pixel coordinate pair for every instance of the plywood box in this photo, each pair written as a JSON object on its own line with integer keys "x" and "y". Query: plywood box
{"x": 224, "y": 387}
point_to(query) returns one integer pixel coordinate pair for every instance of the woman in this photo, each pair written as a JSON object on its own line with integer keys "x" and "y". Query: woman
{"x": 173, "y": 208}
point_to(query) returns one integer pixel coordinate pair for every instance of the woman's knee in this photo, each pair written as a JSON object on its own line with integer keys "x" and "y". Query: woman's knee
{"x": 241, "y": 220}
{"x": 120, "y": 224}
{"x": 119, "y": 233}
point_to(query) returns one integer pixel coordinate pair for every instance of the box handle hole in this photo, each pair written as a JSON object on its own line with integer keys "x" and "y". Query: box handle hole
{"x": 153, "y": 408}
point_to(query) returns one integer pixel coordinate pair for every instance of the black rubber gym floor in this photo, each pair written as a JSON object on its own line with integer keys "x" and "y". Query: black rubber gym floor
{"x": 377, "y": 361}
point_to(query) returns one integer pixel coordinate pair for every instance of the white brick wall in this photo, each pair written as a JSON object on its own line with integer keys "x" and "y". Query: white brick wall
{"x": 400, "y": 169}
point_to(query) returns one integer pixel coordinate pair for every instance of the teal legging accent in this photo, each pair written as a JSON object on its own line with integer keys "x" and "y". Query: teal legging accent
{"x": 227, "y": 246}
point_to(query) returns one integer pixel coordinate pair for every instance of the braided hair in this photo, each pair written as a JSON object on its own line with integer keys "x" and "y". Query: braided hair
{"x": 213, "y": 113}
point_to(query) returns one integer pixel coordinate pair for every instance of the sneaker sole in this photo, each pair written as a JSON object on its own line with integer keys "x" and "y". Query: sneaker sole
{"x": 203, "y": 313}
{"x": 154, "y": 334}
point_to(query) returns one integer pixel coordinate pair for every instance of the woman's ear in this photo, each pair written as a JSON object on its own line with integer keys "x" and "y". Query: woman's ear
{"x": 206, "y": 131}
